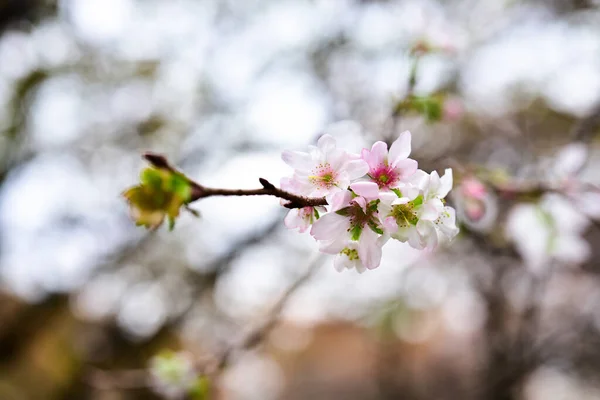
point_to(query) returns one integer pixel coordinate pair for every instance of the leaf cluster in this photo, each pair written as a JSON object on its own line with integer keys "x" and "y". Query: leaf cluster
{"x": 161, "y": 193}
{"x": 430, "y": 107}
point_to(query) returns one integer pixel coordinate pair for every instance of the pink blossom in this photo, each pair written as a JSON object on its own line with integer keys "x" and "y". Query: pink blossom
{"x": 388, "y": 169}
{"x": 325, "y": 169}
{"x": 352, "y": 228}
{"x": 303, "y": 218}
{"x": 474, "y": 209}
{"x": 473, "y": 188}
{"x": 552, "y": 229}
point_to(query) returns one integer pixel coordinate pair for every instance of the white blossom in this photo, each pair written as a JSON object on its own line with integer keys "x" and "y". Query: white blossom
{"x": 325, "y": 169}
{"x": 550, "y": 230}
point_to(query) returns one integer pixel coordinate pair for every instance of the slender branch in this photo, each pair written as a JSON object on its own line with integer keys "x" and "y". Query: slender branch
{"x": 138, "y": 378}
{"x": 268, "y": 189}
{"x": 259, "y": 333}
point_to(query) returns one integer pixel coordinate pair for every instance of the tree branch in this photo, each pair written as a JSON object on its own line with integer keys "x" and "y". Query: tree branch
{"x": 268, "y": 189}
{"x": 259, "y": 333}
{"x": 139, "y": 378}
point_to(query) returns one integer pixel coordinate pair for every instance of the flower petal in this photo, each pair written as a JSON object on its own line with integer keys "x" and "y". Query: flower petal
{"x": 387, "y": 197}
{"x": 377, "y": 156}
{"x": 428, "y": 234}
{"x": 356, "y": 168}
{"x": 431, "y": 210}
{"x": 445, "y": 183}
{"x": 333, "y": 246}
{"x": 433, "y": 184}
{"x": 448, "y": 223}
{"x": 406, "y": 168}
{"x": 326, "y": 143}
{"x": 369, "y": 249}
{"x": 565, "y": 215}
{"x": 340, "y": 262}
{"x": 589, "y": 203}
{"x": 336, "y": 158}
{"x": 571, "y": 249}
{"x": 390, "y": 225}
{"x": 368, "y": 190}
{"x": 297, "y": 160}
{"x": 570, "y": 160}
{"x": 361, "y": 202}
{"x": 292, "y": 219}
{"x": 409, "y": 191}
{"x": 330, "y": 226}
{"x": 400, "y": 149}
{"x": 530, "y": 235}
{"x": 340, "y": 200}
{"x": 419, "y": 179}
{"x": 414, "y": 238}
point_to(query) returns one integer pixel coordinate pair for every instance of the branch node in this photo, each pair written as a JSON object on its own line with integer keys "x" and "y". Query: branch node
{"x": 293, "y": 204}
{"x": 266, "y": 184}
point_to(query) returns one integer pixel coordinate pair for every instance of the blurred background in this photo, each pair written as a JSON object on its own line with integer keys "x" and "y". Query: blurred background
{"x": 495, "y": 89}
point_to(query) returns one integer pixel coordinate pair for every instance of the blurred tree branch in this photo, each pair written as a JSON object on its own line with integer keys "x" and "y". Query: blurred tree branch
{"x": 258, "y": 334}
{"x": 138, "y": 378}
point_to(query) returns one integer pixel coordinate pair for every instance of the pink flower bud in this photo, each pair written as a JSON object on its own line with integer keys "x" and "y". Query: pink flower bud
{"x": 453, "y": 109}
{"x": 473, "y": 188}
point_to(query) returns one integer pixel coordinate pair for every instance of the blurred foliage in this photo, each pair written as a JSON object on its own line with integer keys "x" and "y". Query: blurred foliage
{"x": 429, "y": 107}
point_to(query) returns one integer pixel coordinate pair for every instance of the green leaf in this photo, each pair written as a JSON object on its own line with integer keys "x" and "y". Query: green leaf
{"x": 151, "y": 177}
{"x": 433, "y": 110}
{"x": 182, "y": 187}
{"x": 317, "y": 216}
{"x": 430, "y": 107}
{"x": 161, "y": 193}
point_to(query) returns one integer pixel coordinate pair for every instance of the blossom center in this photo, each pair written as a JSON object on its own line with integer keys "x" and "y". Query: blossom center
{"x": 352, "y": 254}
{"x": 440, "y": 220}
{"x": 358, "y": 218}
{"x": 309, "y": 214}
{"x": 385, "y": 176}
{"x": 323, "y": 176}
{"x": 404, "y": 214}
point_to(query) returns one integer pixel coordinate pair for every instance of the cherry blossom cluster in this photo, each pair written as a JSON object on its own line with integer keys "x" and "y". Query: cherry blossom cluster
{"x": 372, "y": 197}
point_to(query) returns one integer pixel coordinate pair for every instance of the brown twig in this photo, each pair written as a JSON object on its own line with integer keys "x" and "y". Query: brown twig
{"x": 268, "y": 189}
